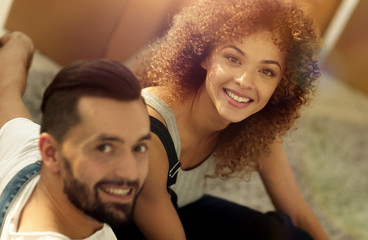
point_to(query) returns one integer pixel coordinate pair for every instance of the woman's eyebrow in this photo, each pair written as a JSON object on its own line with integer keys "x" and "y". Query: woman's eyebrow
{"x": 236, "y": 49}
{"x": 271, "y": 62}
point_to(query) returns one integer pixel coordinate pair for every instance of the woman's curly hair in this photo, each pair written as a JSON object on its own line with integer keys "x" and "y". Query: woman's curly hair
{"x": 174, "y": 61}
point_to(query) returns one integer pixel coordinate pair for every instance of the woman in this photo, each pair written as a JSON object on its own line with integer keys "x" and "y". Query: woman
{"x": 228, "y": 80}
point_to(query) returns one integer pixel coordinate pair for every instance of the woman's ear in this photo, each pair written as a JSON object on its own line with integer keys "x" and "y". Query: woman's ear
{"x": 208, "y": 55}
{"x": 48, "y": 147}
{"x": 204, "y": 63}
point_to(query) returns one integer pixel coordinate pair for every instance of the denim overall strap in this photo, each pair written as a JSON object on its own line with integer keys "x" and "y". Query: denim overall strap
{"x": 13, "y": 187}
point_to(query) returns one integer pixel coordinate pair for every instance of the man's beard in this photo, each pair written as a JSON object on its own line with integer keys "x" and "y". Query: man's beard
{"x": 114, "y": 214}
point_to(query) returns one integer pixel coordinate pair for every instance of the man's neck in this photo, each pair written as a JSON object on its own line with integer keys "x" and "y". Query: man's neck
{"x": 49, "y": 210}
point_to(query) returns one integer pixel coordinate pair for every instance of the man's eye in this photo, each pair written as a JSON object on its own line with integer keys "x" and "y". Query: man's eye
{"x": 104, "y": 148}
{"x": 141, "y": 148}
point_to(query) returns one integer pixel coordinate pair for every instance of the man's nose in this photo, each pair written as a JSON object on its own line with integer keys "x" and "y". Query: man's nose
{"x": 126, "y": 166}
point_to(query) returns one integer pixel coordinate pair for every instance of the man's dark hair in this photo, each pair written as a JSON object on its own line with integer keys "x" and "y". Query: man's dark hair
{"x": 102, "y": 78}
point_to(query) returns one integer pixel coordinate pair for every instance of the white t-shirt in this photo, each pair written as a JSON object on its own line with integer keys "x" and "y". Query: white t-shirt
{"x": 19, "y": 148}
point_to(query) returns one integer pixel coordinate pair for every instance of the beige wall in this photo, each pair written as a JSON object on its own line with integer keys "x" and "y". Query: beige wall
{"x": 349, "y": 59}
{"x": 69, "y": 30}
{"x": 321, "y": 10}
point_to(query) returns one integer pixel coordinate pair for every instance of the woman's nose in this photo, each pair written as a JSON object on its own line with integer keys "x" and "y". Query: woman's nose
{"x": 244, "y": 80}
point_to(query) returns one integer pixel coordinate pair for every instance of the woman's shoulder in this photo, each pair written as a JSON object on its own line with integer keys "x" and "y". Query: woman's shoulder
{"x": 161, "y": 92}
{"x": 157, "y": 92}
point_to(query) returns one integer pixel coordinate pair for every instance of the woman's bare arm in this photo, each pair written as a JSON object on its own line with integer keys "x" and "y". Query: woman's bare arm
{"x": 285, "y": 194}
{"x": 155, "y": 215}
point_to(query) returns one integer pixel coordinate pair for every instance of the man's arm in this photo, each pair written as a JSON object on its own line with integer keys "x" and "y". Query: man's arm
{"x": 285, "y": 194}
{"x": 16, "y": 51}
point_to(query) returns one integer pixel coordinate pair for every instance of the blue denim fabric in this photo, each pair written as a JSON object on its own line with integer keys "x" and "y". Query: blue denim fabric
{"x": 12, "y": 188}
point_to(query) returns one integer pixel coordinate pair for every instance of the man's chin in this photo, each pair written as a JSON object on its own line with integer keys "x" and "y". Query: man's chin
{"x": 115, "y": 215}
{"x": 120, "y": 223}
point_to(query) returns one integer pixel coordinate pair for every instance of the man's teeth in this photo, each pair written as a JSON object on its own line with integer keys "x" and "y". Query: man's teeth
{"x": 118, "y": 192}
{"x": 237, "y": 98}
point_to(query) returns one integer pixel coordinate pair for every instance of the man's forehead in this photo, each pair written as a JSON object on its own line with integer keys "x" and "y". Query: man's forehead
{"x": 91, "y": 104}
{"x": 109, "y": 117}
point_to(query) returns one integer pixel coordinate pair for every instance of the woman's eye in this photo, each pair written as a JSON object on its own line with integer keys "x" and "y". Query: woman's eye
{"x": 141, "y": 148}
{"x": 104, "y": 148}
{"x": 233, "y": 59}
{"x": 267, "y": 72}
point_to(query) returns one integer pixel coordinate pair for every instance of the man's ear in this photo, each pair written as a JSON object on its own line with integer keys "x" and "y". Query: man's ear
{"x": 48, "y": 147}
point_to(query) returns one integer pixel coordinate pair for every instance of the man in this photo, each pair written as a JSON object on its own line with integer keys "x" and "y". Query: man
{"x": 93, "y": 145}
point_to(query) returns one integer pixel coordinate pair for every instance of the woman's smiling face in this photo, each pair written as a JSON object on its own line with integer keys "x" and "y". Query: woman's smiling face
{"x": 242, "y": 76}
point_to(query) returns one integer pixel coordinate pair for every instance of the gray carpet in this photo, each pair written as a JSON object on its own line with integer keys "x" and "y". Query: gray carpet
{"x": 333, "y": 161}
{"x": 328, "y": 154}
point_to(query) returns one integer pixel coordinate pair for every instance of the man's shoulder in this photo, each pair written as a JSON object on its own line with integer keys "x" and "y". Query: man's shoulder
{"x": 105, "y": 233}
{"x": 18, "y": 148}
{"x": 38, "y": 236}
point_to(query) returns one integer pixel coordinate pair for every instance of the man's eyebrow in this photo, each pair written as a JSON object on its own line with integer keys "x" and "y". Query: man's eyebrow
{"x": 104, "y": 137}
{"x": 145, "y": 137}
{"x": 243, "y": 54}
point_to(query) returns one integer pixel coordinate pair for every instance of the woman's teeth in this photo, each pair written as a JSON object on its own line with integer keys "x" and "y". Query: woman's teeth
{"x": 237, "y": 98}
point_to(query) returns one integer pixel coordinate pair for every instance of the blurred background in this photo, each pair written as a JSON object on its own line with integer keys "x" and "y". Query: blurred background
{"x": 328, "y": 151}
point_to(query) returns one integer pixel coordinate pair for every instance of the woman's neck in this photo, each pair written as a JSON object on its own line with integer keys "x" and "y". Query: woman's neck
{"x": 199, "y": 115}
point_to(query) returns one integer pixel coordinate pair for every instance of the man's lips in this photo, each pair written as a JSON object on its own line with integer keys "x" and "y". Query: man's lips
{"x": 118, "y": 191}
{"x": 120, "y": 194}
